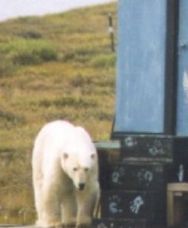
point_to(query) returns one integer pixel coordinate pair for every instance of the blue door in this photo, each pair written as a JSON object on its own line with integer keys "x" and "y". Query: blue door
{"x": 140, "y": 89}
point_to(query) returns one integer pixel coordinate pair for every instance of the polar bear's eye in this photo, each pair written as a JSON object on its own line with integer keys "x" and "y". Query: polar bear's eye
{"x": 75, "y": 169}
{"x": 86, "y": 169}
{"x": 65, "y": 156}
{"x": 92, "y": 156}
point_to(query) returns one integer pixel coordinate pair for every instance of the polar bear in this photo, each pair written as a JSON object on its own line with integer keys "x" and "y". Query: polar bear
{"x": 65, "y": 175}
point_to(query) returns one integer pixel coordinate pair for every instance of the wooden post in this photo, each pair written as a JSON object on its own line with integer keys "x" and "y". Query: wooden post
{"x": 111, "y": 31}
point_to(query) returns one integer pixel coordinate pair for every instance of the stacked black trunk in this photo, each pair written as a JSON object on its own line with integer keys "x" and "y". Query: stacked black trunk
{"x": 133, "y": 180}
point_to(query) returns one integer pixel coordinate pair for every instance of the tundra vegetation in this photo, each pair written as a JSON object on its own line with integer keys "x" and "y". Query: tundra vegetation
{"x": 52, "y": 67}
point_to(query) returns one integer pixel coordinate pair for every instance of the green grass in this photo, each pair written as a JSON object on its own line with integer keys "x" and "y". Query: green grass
{"x": 57, "y": 66}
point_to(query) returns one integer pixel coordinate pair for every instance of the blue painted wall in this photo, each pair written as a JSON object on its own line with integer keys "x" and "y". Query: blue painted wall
{"x": 140, "y": 91}
{"x": 182, "y": 100}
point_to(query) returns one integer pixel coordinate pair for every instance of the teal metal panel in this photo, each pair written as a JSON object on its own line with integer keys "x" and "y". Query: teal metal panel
{"x": 140, "y": 85}
{"x": 182, "y": 93}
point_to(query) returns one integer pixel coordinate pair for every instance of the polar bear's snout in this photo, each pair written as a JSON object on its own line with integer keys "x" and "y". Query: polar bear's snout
{"x": 81, "y": 186}
{"x": 80, "y": 179}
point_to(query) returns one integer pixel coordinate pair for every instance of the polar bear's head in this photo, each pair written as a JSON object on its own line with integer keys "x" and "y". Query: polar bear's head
{"x": 80, "y": 171}
{"x": 79, "y": 158}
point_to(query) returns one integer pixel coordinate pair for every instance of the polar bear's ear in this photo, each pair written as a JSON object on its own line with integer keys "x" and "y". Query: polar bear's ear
{"x": 65, "y": 155}
{"x": 92, "y": 156}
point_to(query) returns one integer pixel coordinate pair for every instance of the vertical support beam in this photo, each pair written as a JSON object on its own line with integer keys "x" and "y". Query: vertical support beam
{"x": 171, "y": 66}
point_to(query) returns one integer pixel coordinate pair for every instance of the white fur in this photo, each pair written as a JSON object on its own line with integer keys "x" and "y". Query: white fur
{"x": 63, "y": 158}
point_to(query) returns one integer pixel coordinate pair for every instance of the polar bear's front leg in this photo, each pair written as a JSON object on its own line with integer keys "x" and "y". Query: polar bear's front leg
{"x": 87, "y": 201}
{"x": 50, "y": 207}
{"x": 69, "y": 210}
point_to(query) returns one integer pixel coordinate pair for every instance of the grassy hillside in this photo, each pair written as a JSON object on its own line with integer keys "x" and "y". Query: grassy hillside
{"x": 57, "y": 66}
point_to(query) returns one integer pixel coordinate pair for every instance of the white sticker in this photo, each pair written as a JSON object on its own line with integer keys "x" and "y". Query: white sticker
{"x": 136, "y": 204}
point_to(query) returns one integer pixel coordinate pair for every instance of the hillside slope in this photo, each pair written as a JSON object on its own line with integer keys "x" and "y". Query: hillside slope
{"x": 57, "y": 66}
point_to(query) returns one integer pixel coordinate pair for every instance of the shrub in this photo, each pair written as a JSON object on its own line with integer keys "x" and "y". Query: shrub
{"x": 103, "y": 60}
{"x": 6, "y": 66}
{"x": 68, "y": 101}
{"x": 79, "y": 54}
{"x": 34, "y": 52}
{"x": 27, "y": 52}
{"x": 48, "y": 54}
{"x": 30, "y": 35}
{"x": 9, "y": 119}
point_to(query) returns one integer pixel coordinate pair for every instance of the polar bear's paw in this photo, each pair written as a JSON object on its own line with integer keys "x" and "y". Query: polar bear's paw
{"x": 73, "y": 225}
{"x": 49, "y": 225}
{"x": 84, "y": 226}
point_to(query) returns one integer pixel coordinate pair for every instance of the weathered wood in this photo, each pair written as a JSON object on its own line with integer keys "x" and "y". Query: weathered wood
{"x": 178, "y": 187}
{"x": 176, "y": 208}
{"x": 109, "y": 150}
